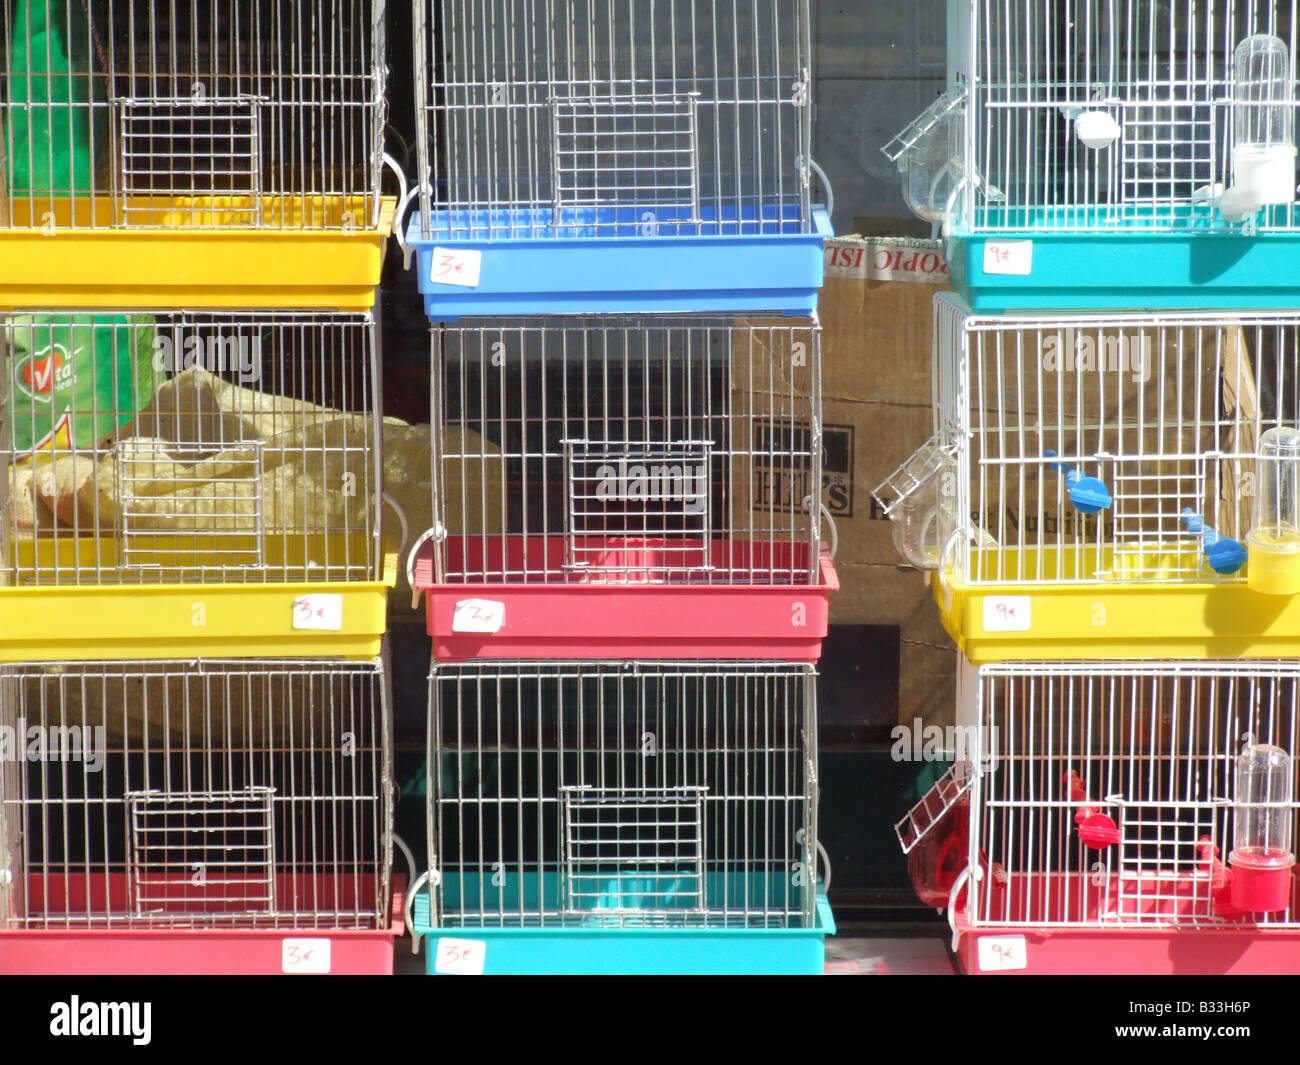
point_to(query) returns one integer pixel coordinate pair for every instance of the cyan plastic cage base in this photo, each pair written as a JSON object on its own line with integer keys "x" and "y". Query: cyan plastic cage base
{"x": 614, "y": 261}
{"x": 605, "y": 945}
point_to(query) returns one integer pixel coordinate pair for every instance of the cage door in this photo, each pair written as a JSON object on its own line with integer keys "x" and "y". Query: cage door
{"x": 935, "y": 805}
{"x": 1163, "y": 866}
{"x": 633, "y": 850}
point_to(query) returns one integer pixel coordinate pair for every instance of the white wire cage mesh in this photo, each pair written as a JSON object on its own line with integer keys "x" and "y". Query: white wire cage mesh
{"x": 680, "y": 450}
{"x": 1106, "y": 794}
{"x": 196, "y": 114}
{"x": 1124, "y": 116}
{"x": 1095, "y": 448}
{"x": 235, "y": 794}
{"x": 613, "y": 118}
{"x": 190, "y": 447}
{"x": 623, "y": 794}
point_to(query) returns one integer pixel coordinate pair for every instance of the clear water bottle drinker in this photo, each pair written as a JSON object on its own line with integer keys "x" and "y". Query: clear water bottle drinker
{"x": 1263, "y": 99}
{"x": 1273, "y": 543}
{"x": 1261, "y": 859}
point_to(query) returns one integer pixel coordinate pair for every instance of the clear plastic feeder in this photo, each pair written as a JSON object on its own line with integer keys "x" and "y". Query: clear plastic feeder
{"x": 1262, "y": 858}
{"x": 1273, "y": 544}
{"x": 1263, "y": 98}
{"x": 930, "y": 155}
{"x": 920, "y": 499}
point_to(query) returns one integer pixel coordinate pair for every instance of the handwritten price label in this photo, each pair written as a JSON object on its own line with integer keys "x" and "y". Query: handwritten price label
{"x": 323, "y": 610}
{"x": 453, "y": 267}
{"x": 478, "y": 615}
{"x": 1006, "y": 613}
{"x": 1009, "y": 257}
{"x": 460, "y": 957}
{"x": 1001, "y": 954}
{"x": 305, "y": 957}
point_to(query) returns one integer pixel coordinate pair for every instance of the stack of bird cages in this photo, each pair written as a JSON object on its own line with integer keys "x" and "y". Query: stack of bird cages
{"x": 647, "y": 159}
{"x": 1114, "y": 153}
{"x": 627, "y": 487}
{"x": 180, "y": 154}
{"x": 226, "y": 816}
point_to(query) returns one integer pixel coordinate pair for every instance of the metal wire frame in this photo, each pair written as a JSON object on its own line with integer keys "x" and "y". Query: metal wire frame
{"x": 193, "y": 114}
{"x": 1166, "y": 410}
{"x": 673, "y": 449}
{"x": 230, "y": 447}
{"x": 183, "y": 794}
{"x": 1162, "y": 70}
{"x": 579, "y": 794}
{"x": 624, "y": 118}
{"x": 1150, "y": 745}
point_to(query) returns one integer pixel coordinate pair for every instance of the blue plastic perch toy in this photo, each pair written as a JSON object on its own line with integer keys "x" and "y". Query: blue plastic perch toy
{"x": 1088, "y": 494}
{"x": 1222, "y": 554}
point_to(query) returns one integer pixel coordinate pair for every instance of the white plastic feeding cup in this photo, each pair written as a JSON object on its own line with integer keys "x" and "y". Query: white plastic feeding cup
{"x": 1263, "y": 153}
{"x": 1273, "y": 544}
{"x": 1261, "y": 858}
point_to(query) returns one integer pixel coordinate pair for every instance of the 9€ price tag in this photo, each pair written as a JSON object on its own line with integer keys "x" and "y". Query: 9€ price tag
{"x": 1006, "y": 613}
{"x": 306, "y": 957}
{"x": 478, "y": 615}
{"x": 460, "y": 957}
{"x": 1009, "y": 257}
{"x": 324, "y": 610}
{"x": 1001, "y": 954}
{"x": 452, "y": 266}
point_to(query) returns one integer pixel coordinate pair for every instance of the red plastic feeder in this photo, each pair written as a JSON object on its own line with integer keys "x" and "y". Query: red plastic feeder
{"x": 633, "y": 601}
{"x": 1261, "y": 883}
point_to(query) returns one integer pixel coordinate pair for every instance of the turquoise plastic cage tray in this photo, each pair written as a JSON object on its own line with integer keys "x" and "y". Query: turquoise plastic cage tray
{"x": 606, "y": 261}
{"x": 1198, "y": 263}
{"x": 609, "y": 942}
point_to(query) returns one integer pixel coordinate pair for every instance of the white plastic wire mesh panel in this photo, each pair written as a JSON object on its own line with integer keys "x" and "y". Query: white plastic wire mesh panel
{"x": 193, "y": 114}
{"x": 1107, "y": 795}
{"x": 572, "y": 794}
{"x": 615, "y": 449}
{"x": 1089, "y": 115}
{"x": 542, "y": 118}
{"x": 198, "y": 794}
{"x": 181, "y": 447}
{"x": 1166, "y": 411}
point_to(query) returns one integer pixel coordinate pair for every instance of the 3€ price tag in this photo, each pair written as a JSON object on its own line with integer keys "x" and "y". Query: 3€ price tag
{"x": 1009, "y": 257}
{"x": 460, "y": 957}
{"x": 1000, "y": 954}
{"x": 1006, "y": 613}
{"x": 478, "y": 615}
{"x": 452, "y": 266}
{"x": 306, "y": 957}
{"x": 324, "y": 610}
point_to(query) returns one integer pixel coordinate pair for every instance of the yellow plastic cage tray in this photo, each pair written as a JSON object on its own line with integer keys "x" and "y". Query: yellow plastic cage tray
{"x": 193, "y": 253}
{"x": 293, "y": 619}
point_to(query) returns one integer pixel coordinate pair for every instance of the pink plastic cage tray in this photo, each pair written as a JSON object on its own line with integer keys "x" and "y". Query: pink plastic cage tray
{"x": 90, "y": 945}
{"x": 635, "y": 614}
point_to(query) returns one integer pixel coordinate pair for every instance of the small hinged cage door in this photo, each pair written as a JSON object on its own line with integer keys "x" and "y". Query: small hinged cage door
{"x": 935, "y": 805}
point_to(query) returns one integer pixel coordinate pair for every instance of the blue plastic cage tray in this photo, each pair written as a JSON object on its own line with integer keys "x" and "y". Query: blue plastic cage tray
{"x": 609, "y": 942}
{"x": 1195, "y": 264}
{"x": 611, "y": 261}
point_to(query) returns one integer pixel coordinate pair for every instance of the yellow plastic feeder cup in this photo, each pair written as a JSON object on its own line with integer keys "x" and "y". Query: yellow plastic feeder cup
{"x": 1273, "y": 566}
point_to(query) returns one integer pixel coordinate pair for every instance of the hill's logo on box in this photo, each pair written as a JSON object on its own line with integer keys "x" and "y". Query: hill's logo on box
{"x": 39, "y": 376}
{"x": 783, "y": 478}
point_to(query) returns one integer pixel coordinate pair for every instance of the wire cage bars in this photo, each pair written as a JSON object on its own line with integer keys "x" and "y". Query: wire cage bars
{"x": 1111, "y": 448}
{"x": 1112, "y": 797}
{"x": 194, "y": 114}
{"x": 580, "y": 118}
{"x": 612, "y": 450}
{"x": 190, "y": 447}
{"x": 201, "y": 794}
{"x": 598, "y": 795}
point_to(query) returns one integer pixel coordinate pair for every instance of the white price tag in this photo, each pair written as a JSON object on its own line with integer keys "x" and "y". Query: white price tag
{"x": 324, "y": 610}
{"x": 308, "y": 957}
{"x": 456, "y": 267}
{"x": 478, "y": 615}
{"x": 1006, "y": 613}
{"x": 460, "y": 957}
{"x": 1002, "y": 954}
{"x": 1009, "y": 257}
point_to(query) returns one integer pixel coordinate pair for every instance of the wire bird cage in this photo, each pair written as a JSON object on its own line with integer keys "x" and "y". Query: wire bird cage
{"x": 683, "y": 127}
{"x": 195, "y": 114}
{"x": 1108, "y": 806}
{"x": 190, "y": 448}
{"x": 1086, "y": 120}
{"x": 575, "y": 799}
{"x": 204, "y": 795}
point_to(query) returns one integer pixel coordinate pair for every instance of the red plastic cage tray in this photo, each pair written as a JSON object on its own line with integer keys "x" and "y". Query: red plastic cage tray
{"x": 85, "y": 949}
{"x": 630, "y": 611}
